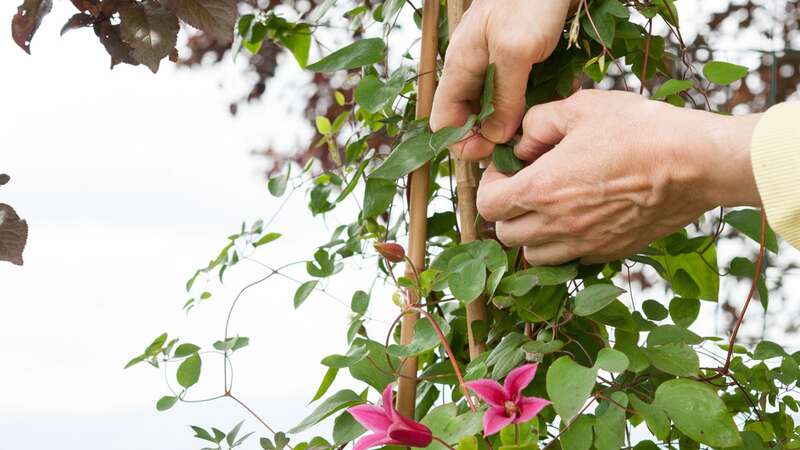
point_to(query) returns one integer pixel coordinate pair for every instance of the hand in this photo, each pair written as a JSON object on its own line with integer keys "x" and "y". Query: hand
{"x": 513, "y": 34}
{"x": 612, "y": 172}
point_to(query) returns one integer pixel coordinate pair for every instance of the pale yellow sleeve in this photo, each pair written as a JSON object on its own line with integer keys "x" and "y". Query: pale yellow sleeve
{"x": 775, "y": 154}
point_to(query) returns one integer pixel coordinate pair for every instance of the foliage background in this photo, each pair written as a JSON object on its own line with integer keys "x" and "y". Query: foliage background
{"x": 105, "y": 309}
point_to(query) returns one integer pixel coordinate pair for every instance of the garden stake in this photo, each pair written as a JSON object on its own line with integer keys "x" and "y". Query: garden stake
{"x": 467, "y": 177}
{"x": 418, "y": 204}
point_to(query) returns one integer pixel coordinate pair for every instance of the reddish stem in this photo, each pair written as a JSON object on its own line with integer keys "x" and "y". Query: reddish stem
{"x": 449, "y": 350}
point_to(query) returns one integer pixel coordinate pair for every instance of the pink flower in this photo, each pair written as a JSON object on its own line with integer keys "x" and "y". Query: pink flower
{"x": 506, "y": 403}
{"x": 388, "y": 426}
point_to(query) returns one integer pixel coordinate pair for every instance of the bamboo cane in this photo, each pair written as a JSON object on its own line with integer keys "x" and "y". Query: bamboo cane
{"x": 418, "y": 203}
{"x": 467, "y": 177}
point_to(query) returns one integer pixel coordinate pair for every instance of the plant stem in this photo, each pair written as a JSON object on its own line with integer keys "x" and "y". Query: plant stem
{"x": 467, "y": 178}
{"x": 418, "y": 203}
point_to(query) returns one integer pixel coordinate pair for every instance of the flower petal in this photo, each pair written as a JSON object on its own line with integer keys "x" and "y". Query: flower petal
{"x": 407, "y": 432}
{"x": 494, "y": 420}
{"x": 529, "y": 407}
{"x": 518, "y": 379}
{"x": 489, "y": 390}
{"x": 388, "y": 401}
{"x": 372, "y": 440}
{"x": 372, "y": 417}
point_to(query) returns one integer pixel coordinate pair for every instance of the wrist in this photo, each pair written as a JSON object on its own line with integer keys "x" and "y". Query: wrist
{"x": 725, "y": 161}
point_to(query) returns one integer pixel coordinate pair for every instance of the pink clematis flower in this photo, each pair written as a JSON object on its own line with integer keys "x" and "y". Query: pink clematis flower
{"x": 388, "y": 426}
{"x": 506, "y": 403}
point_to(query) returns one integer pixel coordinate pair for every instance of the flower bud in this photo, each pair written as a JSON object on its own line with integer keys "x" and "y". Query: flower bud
{"x": 393, "y": 252}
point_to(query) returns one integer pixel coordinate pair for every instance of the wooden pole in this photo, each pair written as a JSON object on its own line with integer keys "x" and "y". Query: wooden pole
{"x": 418, "y": 203}
{"x": 467, "y": 178}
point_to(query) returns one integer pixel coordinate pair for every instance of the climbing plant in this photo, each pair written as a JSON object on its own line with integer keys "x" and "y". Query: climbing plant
{"x": 485, "y": 351}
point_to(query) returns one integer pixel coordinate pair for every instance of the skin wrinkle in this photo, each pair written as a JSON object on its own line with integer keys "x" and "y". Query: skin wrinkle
{"x": 603, "y": 192}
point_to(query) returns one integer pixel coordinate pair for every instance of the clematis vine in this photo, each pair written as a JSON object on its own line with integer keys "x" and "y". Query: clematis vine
{"x": 506, "y": 403}
{"x": 388, "y": 426}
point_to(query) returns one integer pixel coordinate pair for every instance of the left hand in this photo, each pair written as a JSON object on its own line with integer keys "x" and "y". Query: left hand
{"x": 612, "y": 172}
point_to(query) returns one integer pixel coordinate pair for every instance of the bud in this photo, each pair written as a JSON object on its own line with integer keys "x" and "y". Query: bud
{"x": 393, "y": 252}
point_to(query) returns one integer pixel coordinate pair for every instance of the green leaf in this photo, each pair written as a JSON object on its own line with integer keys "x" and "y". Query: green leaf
{"x": 723, "y": 73}
{"x": 378, "y": 195}
{"x": 466, "y": 278}
{"x": 232, "y": 344}
{"x": 683, "y": 284}
{"x": 323, "y": 125}
{"x": 553, "y": 275}
{"x": 166, "y": 402}
{"x": 504, "y": 159}
{"x": 338, "y": 401}
{"x": 702, "y": 269}
{"x": 672, "y": 334}
{"x": 448, "y": 136}
{"x": 507, "y": 355}
{"x": 446, "y": 424}
{"x": 672, "y": 87}
{"x": 298, "y": 41}
{"x": 425, "y": 338}
{"x": 355, "y": 354}
{"x": 595, "y": 297}
{"x": 654, "y": 310}
{"x": 346, "y": 429}
{"x": 327, "y": 381}
{"x": 230, "y": 438}
{"x": 684, "y": 311}
{"x": 201, "y": 433}
{"x": 303, "y": 292}
{"x": 569, "y": 385}
{"x": 411, "y": 154}
{"x": 579, "y": 436}
{"x": 612, "y": 360}
{"x": 374, "y": 369}
{"x": 603, "y": 14}
{"x": 189, "y": 371}
{"x": 543, "y": 347}
{"x": 487, "y": 97}
{"x": 698, "y": 412}
{"x": 277, "y": 183}
{"x": 674, "y": 359}
{"x": 373, "y": 95}
{"x": 518, "y": 283}
{"x": 609, "y": 426}
{"x": 186, "y": 349}
{"x": 744, "y": 268}
{"x": 655, "y": 417}
{"x": 748, "y": 222}
{"x": 767, "y": 350}
{"x": 360, "y": 53}
{"x": 266, "y": 239}
{"x": 360, "y": 302}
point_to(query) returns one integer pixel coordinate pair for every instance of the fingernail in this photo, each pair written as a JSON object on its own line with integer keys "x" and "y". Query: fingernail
{"x": 493, "y": 130}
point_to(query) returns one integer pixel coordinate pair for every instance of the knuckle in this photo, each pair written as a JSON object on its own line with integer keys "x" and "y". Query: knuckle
{"x": 517, "y": 50}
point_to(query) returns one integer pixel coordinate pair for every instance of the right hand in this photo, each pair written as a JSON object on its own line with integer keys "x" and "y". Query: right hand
{"x": 512, "y": 34}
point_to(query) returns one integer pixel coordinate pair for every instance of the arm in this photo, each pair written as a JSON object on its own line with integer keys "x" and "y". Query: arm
{"x": 612, "y": 172}
{"x": 494, "y": 31}
{"x": 775, "y": 153}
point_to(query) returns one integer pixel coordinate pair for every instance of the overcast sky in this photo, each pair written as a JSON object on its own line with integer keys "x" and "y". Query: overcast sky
{"x": 129, "y": 182}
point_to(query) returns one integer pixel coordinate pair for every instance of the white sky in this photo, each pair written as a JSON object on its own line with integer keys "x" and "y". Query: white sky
{"x": 129, "y": 182}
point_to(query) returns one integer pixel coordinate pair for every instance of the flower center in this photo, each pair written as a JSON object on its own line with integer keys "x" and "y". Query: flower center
{"x": 511, "y": 408}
